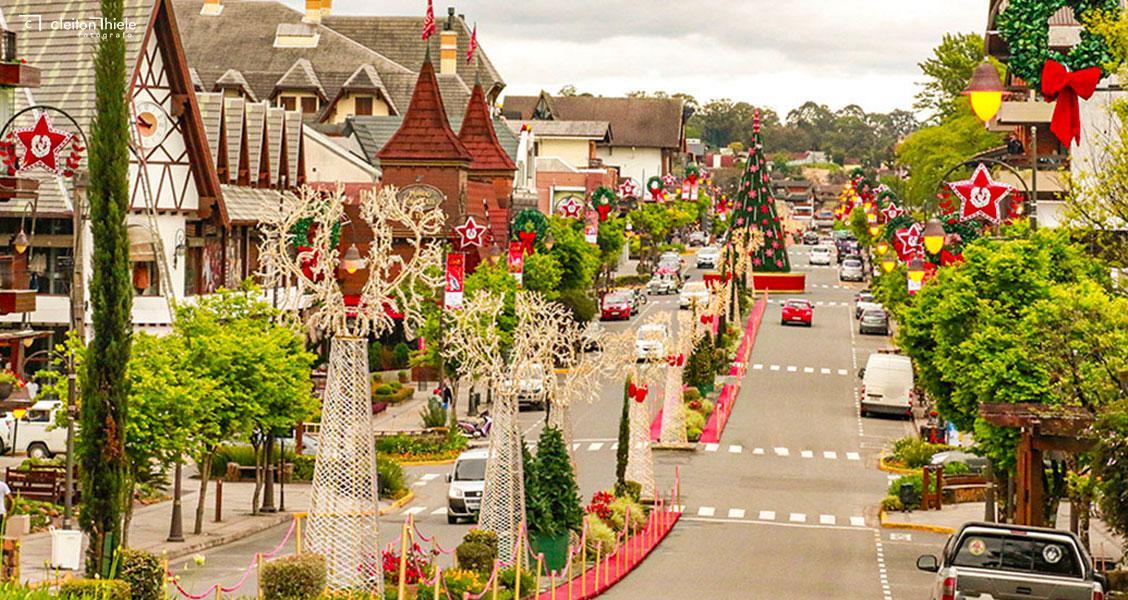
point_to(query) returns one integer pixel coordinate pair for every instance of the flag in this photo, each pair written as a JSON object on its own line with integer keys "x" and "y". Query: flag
{"x": 473, "y": 44}
{"x": 455, "y": 276}
{"x": 429, "y": 21}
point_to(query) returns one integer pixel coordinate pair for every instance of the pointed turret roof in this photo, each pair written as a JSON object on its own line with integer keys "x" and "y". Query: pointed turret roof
{"x": 425, "y": 133}
{"x": 479, "y": 137}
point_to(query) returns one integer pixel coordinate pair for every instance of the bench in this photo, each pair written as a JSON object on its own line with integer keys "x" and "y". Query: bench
{"x": 238, "y": 472}
{"x": 46, "y": 483}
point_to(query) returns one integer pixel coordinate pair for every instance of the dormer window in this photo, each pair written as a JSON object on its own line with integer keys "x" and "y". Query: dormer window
{"x": 296, "y": 35}
{"x": 363, "y": 106}
{"x": 309, "y": 105}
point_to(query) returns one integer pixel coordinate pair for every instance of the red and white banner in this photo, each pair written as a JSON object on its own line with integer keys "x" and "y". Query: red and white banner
{"x": 591, "y": 227}
{"x": 517, "y": 262}
{"x": 455, "y": 278}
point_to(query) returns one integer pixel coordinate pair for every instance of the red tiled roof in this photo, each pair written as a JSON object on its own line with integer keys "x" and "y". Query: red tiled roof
{"x": 425, "y": 133}
{"x": 479, "y": 137}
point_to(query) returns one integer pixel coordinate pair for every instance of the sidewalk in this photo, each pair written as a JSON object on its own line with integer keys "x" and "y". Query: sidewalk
{"x": 1103, "y": 542}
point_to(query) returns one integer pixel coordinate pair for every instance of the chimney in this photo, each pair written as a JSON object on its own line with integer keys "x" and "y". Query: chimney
{"x": 211, "y": 8}
{"x": 313, "y": 11}
{"x": 448, "y": 46}
{"x": 326, "y": 7}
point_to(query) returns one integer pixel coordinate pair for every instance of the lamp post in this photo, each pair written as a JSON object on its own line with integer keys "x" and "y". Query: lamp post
{"x": 934, "y": 237}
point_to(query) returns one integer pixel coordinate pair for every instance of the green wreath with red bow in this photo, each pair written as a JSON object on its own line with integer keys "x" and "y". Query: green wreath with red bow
{"x": 529, "y": 225}
{"x": 603, "y": 199}
{"x": 692, "y": 173}
{"x": 1063, "y": 78}
{"x": 656, "y": 187}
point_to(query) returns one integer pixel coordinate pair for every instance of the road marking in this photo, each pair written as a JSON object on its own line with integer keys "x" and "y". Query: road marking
{"x": 575, "y": 447}
{"x": 830, "y": 455}
{"x": 901, "y": 537}
{"x": 439, "y": 511}
{"x": 736, "y": 513}
{"x": 807, "y": 454}
{"x": 843, "y": 372}
{"x": 758, "y": 451}
{"x": 857, "y": 521}
{"x": 615, "y": 446}
{"x": 767, "y": 515}
{"x": 827, "y": 520}
{"x": 775, "y": 367}
{"x": 711, "y": 447}
{"x": 853, "y": 456}
{"x": 808, "y": 370}
{"x": 595, "y": 446}
{"x": 758, "y": 522}
{"x": 419, "y": 484}
{"x": 430, "y": 476}
{"x": 824, "y": 371}
{"x": 414, "y": 510}
{"x": 797, "y": 518}
{"x": 782, "y": 451}
{"x": 736, "y": 449}
{"x": 705, "y": 511}
{"x": 791, "y": 369}
{"x": 757, "y": 367}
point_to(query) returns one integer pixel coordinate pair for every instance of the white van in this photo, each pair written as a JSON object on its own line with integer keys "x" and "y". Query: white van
{"x": 37, "y": 432}
{"x": 467, "y": 481}
{"x": 887, "y": 385}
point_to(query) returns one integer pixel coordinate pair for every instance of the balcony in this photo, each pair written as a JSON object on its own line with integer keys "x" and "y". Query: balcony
{"x": 15, "y": 293}
{"x": 13, "y": 71}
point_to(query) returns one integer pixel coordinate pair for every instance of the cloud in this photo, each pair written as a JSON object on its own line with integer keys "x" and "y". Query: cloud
{"x": 769, "y": 52}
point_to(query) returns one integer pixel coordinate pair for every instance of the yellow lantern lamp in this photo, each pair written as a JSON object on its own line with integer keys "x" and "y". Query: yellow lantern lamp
{"x": 352, "y": 262}
{"x": 21, "y": 242}
{"x": 874, "y": 230}
{"x": 934, "y": 237}
{"x": 985, "y": 91}
{"x": 888, "y": 263}
{"x": 882, "y": 247}
{"x": 916, "y": 270}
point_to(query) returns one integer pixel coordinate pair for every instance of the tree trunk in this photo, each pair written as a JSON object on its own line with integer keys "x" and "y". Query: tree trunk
{"x": 1083, "y": 518}
{"x": 205, "y": 476}
{"x": 258, "y": 478}
{"x": 127, "y": 516}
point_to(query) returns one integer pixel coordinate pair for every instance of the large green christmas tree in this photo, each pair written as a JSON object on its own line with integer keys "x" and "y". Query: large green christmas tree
{"x": 755, "y": 208}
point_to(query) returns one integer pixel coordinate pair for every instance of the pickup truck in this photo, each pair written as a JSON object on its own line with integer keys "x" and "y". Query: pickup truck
{"x": 1008, "y": 562}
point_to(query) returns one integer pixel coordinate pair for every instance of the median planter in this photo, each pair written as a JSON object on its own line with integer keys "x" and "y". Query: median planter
{"x": 795, "y": 283}
{"x": 553, "y": 547}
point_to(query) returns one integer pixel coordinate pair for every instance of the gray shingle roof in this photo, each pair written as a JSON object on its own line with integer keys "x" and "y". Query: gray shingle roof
{"x": 645, "y": 122}
{"x": 373, "y": 132}
{"x": 233, "y": 79}
{"x": 246, "y": 205}
{"x": 367, "y": 79}
{"x": 578, "y": 129}
{"x": 454, "y": 92}
{"x": 300, "y": 76}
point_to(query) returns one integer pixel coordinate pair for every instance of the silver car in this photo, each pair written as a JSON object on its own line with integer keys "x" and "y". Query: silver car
{"x": 874, "y": 320}
{"x": 851, "y": 270}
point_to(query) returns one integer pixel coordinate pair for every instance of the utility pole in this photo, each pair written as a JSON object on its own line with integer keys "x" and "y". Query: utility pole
{"x": 78, "y": 325}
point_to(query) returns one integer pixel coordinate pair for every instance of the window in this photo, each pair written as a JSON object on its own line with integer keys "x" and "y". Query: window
{"x": 1021, "y": 554}
{"x": 289, "y": 102}
{"x": 50, "y": 271}
{"x": 309, "y": 105}
{"x": 146, "y": 279}
{"x": 363, "y": 106}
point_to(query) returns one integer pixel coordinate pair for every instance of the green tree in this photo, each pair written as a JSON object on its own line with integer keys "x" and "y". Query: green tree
{"x": 622, "y": 453}
{"x": 948, "y": 71}
{"x": 105, "y": 393}
{"x": 556, "y": 486}
{"x": 543, "y": 274}
{"x": 930, "y": 152}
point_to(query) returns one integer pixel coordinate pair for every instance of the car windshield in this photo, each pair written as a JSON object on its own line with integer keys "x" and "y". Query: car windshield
{"x": 470, "y": 469}
{"x": 798, "y": 304}
{"x": 1022, "y": 554}
{"x": 617, "y": 298}
{"x": 875, "y": 315}
{"x": 852, "y": 264}
{"x": 865, "y": 297}
{"x": 821, "y": 250}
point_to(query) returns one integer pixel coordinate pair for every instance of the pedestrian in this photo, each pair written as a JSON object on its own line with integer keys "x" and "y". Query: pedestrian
{"x": 5, "y": 492}
{"x": 446, "y": 394}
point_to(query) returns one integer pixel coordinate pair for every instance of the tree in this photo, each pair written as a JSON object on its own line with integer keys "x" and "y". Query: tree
{"x": 755, "y": 207}
{"x": 104, "y": 410}
{"x": 930, "y": 152}
{"x": 622, "y": 453}
{"x": 699, "y": 366}
{"x": 948, "y": 71}
{"x": 536, "y": 513}
{"x": 556, "y": 486}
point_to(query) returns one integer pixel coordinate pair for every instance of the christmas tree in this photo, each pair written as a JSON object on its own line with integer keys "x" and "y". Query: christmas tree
{"x": 755, "y": 207}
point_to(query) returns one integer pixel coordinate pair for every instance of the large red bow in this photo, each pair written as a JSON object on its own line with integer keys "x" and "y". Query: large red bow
{"x": 676, "y": 360}
{"x": 638, "y": 393}
{"x": 1064, "y": 87}
{"x": 527, "y": 238}
{"x": 604, "y": 211}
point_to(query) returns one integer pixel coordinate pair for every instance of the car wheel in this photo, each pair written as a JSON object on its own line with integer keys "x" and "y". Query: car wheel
{"x": 38, "y": 450}
{"x": 864, "y": 413}
{"x": 451, "y": 519}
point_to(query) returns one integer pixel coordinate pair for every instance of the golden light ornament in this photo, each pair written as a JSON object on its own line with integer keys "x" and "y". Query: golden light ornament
{"x": 21, "y": 242}
{"x": 985, "y": 91}
{"x": 352, "y": 262}
{"x": 888, "y": 263}
{"x": 934, "y": 237}
{"x": 874, "y": 230}
{"x": 916, "y": 270}
{"x": 882, "y": 248}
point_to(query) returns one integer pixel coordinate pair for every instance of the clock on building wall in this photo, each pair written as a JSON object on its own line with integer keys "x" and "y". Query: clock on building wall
{"x": 152, "y": 123}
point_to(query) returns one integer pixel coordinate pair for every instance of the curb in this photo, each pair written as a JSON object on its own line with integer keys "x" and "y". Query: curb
{"x": 888, "y": 468}
{"x": 398, "y": 504}
{"x": 221, "y": 540}
{"x": 426, "y": 463}
{"x": 686, "y": 447}
{"x": 940, "y": 529}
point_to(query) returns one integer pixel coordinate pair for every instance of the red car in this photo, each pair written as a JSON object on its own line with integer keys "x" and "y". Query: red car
{"x": 797, "y": 311}
{"x": 616, "y": 305}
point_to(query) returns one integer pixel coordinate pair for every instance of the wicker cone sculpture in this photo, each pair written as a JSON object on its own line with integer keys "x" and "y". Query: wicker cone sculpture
{"x": 673, "y": 408}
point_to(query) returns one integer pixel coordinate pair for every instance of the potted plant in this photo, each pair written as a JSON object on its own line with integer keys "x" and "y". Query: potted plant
{"x": 553, "y": 507}
{"x": 8, "y": 383}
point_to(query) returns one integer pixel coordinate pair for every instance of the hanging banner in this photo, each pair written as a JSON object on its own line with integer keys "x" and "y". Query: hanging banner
{"x": 591, "y": 227}
{"x": 914, "y": 287}
{"x": 455, "y": 277}
{"x": 517, "y": 262}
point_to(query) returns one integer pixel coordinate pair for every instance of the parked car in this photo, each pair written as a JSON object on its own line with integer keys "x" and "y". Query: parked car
{"x": 36, "y": 431}
{"x": 851, "y": 270}
{"x": 698, "y": 238}
{"x": 820, "y": 255}
{"x": 707, "y": 257}
{"x": 530, "y": 386}
{"x": 617, "y": 305}
{"x": 874, "y": 320}
{"x": 974, "y": 462}
{"x": 863, "y": 300}
{"x": 811, "y": 238}
{"x": 988, "y": 560}
{"x": 887, "y": 385}
{"x": 694, "y": 291}
{"x": 467, "y": 480}
{"x": 662, "y": 283}
{"x": 796, "y": 311}
{"x": 650, "y": 342}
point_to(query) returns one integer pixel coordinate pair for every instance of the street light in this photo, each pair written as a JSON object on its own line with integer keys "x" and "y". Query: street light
{"x": 916, "y": 270}
{"x": 549, "y": 241}
{"x": 934, "y": 236}
{"x": 888, "y": 263}
{"x": 21, "y": 242}
{"x": 985, "y": 91}
{"x": 352, "y": 262}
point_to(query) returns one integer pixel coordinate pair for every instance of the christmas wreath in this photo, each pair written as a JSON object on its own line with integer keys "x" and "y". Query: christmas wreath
{"x": 898, "y": 222}
{"x": 692, "y": 173}
{"x": 302, "y": 229}
{"x": 602, "y": 200}
{"x": 1025, "y": 27}
{"x": 529, "y": 225}
{"x": 655, "y": 186}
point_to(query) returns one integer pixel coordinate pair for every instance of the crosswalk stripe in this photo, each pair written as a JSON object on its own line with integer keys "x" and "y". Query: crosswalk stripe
{"x": 429, "y": 476}
{"x": 797, "y": 518}
{"x": 791, "y": 369}
{"x": 775, "y": 367}
{"x": 615, "y": 446}
{"x": 736, "y": 513}
{"x": 824, "y": 371}
{"x": 830, "y": 455}
{"x": 705, "y": 511}
{"x": 853, "y": 456}
{"x": 808, "y": 370}
{"x": 757, "y": 367}
{"x": 711, "y": 447}
{"x": 414, "y": 510}
{"x": 826, "y": 520}
{"x": 575, "y": 447}
{"x": 595, "y": 446}
{"x": 767, "y": 515}
{"x": 857, "y": 521}
{"x": 842, "y": 371}
{"x": 439, "y": 511}
{"x": 807, "y": 454}
{"x": 758, "y": 451}
{"x": 736, "y": 449}
{"x": 783, "y": 451}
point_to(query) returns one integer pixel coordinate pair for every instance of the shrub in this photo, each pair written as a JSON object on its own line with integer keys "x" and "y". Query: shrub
{"x": 294, "y": 577}
{"x": 395, "y": 385}
{"x": 440, "y": 443}
{"x": 1118, "y": 580}
{"x": 390, "y": 480}
{"x": 404, "y": 376}
{"x": 693, "y": 433}
{"x": 11, "y": 591}
{"x": 402, "y": 352}
{"x": 629, "y": 489}
{"x": 475, "y": 556}
{"x": 459, "y": 581}
{"x": 690, "y": 394}
{"x": 706, "y": 407}
{"x": 482, "y": 536}
{"x": 694, "y": 420}
{"x": 40, "y": 514}
{"x": 507, "y": 578}
{"x": 892, "y": 504}
{"x": 599, "y": 535}
{"x": 433, "y": 415}
{"x": 144, "y": 573}
{"x": 94, "y": 589}
{"x": 956, "y": 468}
{"x": 619, "y": 510}
{"x": 918, "y": 489}
{"x": 303, "y": 467}
{"x": 376, "y": 380}
{"x": 600, "y": 505}
{"x": 581, "y": 304}
{"x": 383, "y": 390}
{"x": 914, "y": 452}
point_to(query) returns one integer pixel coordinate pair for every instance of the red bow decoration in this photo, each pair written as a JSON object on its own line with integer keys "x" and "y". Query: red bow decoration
{"x": 638, "y": 393}
{"x": 706, "y": 319}
{"x": 308, "y": 263}
{"x": 604, "y": 210}
{"x": 1063, "y": 87}
{"x": 527, "y": 238}
{"x": 676, "y": 360}
{"x": 947, "y": 258}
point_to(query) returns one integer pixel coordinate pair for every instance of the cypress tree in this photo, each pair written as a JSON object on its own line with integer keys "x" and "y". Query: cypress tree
{"x": 101, "y": 448}
{"x": 623, "y": 452}
{"x": 556, "y": 485}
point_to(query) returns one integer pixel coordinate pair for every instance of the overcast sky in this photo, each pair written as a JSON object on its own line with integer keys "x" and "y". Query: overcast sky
{"x": 778, "y": 53}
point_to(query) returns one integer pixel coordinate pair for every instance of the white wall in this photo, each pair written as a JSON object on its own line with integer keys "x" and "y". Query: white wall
{"x": 574, "y": 152}
{"x": 1099, "y": 128}
{"x": 329, "y": 160}
{"x": 637, "y": 163}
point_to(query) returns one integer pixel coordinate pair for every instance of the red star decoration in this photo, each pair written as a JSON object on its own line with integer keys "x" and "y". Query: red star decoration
{"x": 892, "y": 211}
{"x": 571, "y": 207}
{"x": 909, "y": 238}
{"x": 42, "y": 144}
{"x": 470, "y": 233}
{"x": 980, "y": 195}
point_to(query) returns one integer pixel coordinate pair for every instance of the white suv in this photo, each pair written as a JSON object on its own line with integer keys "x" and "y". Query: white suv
{"x": 821, "y": 255}
{"x": 467, "y": 480}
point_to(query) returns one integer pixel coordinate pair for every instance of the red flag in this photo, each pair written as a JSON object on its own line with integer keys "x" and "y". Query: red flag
{"x": 473, "y": 44}
{"x": 429, "y": 21}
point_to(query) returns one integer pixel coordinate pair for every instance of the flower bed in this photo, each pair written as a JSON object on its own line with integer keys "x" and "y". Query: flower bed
{"x": 697, "y": 413}
{"x": 438, "y": 445}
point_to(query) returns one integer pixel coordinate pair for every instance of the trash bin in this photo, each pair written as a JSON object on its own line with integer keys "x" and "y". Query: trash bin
{"x": 907, "y": 495}
{"x": 66, "y": 549}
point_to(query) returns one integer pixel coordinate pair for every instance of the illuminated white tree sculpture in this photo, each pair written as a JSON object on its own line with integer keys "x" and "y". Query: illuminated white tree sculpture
{"x": 640, "y": 462}
{"x": 673, "y": 408}
{"x": 300, "y": 246}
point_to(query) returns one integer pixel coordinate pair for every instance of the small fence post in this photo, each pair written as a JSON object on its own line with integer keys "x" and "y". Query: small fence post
{"x": 402, "y": 588}
{"x": 258, "y": 568}
{"x": 598, "y": 552}
{"x": 438, "y": 581}
{"x": 517, "y": 577}
{"x": 298, "y": 532}
{"x": 218, "y": 500}
{"x": 540, "y": 563}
